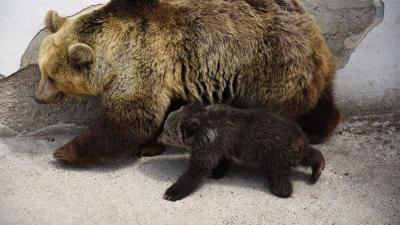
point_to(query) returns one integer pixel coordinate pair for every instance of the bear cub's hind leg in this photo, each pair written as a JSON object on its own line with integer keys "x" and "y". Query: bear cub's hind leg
{"x": 278, "y": 179}
{"x": 314, "y": 159}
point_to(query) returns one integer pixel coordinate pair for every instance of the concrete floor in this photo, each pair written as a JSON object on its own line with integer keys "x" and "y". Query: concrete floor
{"x": 360, "y": 185}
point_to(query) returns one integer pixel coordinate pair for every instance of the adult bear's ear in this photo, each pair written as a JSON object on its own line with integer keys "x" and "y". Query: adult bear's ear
{"x": 81, "y": 53}
{"x": 189, "y": 127}
{"x": 53, "y": 21}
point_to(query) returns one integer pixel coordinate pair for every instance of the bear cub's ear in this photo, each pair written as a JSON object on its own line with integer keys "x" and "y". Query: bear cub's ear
{"x": 53, "y": 21}
{"x": 81, "y": 53}
{"x": 189, "y": 127}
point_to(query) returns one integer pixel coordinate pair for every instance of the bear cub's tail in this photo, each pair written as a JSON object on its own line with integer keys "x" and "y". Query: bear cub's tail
{"x": 313, "y": 158}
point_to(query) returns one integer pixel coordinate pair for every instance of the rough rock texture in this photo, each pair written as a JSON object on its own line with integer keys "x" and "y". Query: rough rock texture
{"x": 2, "y": 76}
{"x": 344, "y": 23}
{"x": 19, "y": 112}
{"x": 31, "y": 54}
{"x": 6, "y": 131}
{"x": 359, "y": 186}
{"x": 370, "y": 82}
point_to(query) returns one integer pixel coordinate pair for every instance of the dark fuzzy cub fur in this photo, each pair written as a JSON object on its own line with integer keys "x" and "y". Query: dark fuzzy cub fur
{"x": 217, "y": 134}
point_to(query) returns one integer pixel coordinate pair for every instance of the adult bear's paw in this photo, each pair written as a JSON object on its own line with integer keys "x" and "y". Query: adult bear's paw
{"x": 69, "y": 154}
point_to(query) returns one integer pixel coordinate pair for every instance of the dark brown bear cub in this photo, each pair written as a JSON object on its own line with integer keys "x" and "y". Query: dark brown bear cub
{"x": 217, "y": 134}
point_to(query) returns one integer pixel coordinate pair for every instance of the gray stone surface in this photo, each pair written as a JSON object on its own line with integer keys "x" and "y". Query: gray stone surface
{"x": 31, "y": 54}
{"x": 2, "y": 76}
{"x": 370, "y": 83}
{"x": 359, "y": 186}
{"x": 6, "y": 131}
{"x": 19, "y": 111}
{"x": 345, "y": 23}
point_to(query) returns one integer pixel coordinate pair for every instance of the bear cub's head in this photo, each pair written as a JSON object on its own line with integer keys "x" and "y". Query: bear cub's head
{"x": 187, "y": 127}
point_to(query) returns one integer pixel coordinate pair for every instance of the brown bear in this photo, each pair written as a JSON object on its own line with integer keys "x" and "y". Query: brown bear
{"x": 146, "y": 58}
{"x": 216, "y": 134}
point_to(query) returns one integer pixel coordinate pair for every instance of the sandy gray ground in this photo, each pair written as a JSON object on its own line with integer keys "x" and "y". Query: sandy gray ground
{"x": 360, "y": 185}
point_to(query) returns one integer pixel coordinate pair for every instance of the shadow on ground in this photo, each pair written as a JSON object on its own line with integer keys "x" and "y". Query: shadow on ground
{"x": 240, "y": 175}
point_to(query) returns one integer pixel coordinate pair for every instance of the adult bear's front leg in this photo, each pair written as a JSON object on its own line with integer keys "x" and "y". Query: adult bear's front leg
{"x": 120, "y": 133}
{"x": 74, "y": 152}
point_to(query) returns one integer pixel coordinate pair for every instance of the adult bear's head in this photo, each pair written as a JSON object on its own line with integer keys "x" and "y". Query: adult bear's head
{"x": 77, "y": 58}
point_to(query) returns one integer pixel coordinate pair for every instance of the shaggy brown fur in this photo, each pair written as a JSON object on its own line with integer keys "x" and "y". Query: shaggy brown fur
{"x": 216, "y": 134}
{"x": 141, "y": 56}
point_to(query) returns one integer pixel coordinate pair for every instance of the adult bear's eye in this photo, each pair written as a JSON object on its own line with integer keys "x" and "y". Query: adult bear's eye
{"x": 51, "y": 79}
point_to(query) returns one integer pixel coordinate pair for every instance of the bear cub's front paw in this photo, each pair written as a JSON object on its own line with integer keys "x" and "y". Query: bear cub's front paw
{"x": 174, "y": 193}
